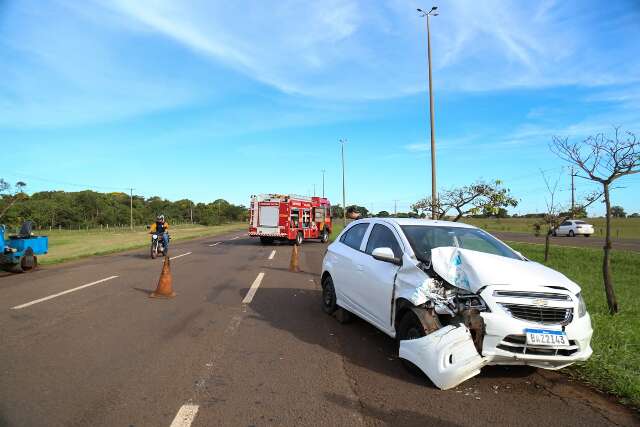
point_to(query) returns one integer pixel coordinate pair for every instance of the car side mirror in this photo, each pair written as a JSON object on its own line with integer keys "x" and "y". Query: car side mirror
{"x": 386, "y": 255}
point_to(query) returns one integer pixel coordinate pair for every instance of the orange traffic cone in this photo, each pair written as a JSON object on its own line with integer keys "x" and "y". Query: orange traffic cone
{"x": 294, "y": 265}
{"x": 164, "y": 289}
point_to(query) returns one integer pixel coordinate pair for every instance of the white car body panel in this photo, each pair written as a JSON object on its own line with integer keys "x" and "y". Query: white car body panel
{"x": 472, "y": 270}
{"x": 578, "y": 228}
{"x": 370, "y": 289}
{"x": 452, "y": 358}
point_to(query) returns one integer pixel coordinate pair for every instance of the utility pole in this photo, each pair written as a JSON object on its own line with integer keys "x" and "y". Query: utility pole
{"x": 131, "y": 206}
{"x": 314, "y": 190}
{"x": 573, "y": 193}
{"x": 191, "y": 210}
{"x": 344, "y": 206}
{"x": 323, "y": 171}
{"x": 395, "y": 208}
{"x": 434, "y": 195}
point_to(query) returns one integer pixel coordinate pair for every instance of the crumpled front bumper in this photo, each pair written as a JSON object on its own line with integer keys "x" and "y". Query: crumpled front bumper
{"x": 447, "y": 356}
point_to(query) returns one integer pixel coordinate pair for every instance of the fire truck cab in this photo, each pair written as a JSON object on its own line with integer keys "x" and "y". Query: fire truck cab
{"x": 289, "y": 217}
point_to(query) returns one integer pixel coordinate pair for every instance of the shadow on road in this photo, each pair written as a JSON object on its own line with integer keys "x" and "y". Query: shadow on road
{"x": 401, "y": 417}
{"x": 298, "y": 311}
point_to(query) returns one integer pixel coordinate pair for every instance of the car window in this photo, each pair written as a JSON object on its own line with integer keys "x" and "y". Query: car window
{"x": 353, "y": 236}
{"x": 382, "y": 237}
{"x": 424, "y": 238}
{"x": 579, "y": 222}
{"x": 566, "y": 223}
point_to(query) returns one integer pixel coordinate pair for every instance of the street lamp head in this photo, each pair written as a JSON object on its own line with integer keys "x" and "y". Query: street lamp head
{"x": 434, "y": 8}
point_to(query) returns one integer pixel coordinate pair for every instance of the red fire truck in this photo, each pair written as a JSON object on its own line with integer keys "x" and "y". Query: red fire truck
{"x": 289, "y": 217}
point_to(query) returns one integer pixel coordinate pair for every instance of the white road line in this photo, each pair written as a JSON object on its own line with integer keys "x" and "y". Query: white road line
{"x": 273, "y": 253}
{"x": 252, "y": 290}
{"x": 18, "y": 307}
{"x": 237, "y": 237}
{"x": 216, "y": 243}
{"x": 181, "y": 255}
{"x": 185, "y": 416}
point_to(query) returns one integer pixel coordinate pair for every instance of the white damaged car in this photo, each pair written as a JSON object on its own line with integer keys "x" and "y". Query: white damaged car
{"x": 455, "y": 297}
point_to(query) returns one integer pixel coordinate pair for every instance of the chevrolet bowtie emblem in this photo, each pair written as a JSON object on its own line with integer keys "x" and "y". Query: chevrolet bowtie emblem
{"x": 540, "y": 302}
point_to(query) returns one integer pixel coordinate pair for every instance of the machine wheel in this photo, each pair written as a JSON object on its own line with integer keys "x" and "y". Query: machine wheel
{"x": 299, "y": 238}
{"x": 153, "y": 252}
{"x": 586, "y": 235}
{"x": 412, "y": 327}
{"x": 324, "y": 237}
{"x": 329, "y": 304}
{"x": 29, "y": 262}
{"x": 554, "y": 233}
{"x": 571, "y": 233}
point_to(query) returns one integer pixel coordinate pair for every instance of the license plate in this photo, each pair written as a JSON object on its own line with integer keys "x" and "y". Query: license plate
{"x": 546, "y": 337}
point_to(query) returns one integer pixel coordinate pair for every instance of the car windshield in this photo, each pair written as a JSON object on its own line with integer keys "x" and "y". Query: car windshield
{"x": 424, "y": 238}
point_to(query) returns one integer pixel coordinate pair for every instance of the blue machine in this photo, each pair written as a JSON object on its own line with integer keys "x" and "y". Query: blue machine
{"x": 19, "y": 253}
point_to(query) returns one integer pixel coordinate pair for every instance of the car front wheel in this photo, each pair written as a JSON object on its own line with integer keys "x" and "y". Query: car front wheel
{"x": 571, "y": 233}
{"x": 412, "y": 327}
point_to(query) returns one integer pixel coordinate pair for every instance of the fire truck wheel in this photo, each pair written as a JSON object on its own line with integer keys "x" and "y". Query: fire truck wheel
{"x": 299, "y": 238}
{"x": 324, "y": 237}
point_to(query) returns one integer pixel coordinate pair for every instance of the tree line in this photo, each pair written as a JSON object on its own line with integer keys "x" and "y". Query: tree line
{"x": 93, "y": 209}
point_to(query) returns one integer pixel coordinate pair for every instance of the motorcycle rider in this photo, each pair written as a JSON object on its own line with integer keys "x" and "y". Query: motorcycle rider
{"x": 161, "y": 228}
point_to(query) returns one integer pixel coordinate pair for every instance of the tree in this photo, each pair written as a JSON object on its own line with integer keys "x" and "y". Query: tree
{"x": 479, "y": 197}
{"x": 553, "y": 217}
{"x": 355, "y": 209}
{"x": 634, "y": 215}
{"x": 9, "y": 199}
{"x": 383, "y": 214}
{"x": 603, "y": 159}
{"x": 618, "y": 212}
{"x": 337, "y": 211}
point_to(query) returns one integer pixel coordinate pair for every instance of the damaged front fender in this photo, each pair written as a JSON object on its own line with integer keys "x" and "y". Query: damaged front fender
{"x": 447, "y": 356}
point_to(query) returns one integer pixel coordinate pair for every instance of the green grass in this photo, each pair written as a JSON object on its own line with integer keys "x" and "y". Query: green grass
{"x": 65, "y": 245}
{"x": 615, "y": 364}
{"x": 623, "y": 228}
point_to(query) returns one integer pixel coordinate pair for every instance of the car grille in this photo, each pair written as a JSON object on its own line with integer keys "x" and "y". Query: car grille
{"x": 518, "y": 344}
{"x": 525, "y": 294}
{"x": 543, "y": 315}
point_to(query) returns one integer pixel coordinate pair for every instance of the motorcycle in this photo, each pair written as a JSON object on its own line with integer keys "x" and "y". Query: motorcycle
{"x": 157, "y": 246}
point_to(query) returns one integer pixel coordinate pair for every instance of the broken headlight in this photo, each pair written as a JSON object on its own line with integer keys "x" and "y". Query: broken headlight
{"x": 471, "y": 301}
{"x": 582, "y": 307}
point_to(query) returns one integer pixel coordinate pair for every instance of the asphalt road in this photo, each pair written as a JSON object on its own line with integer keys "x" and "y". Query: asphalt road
{"x": 107, "y": 355}
{"x": 578, "y": 241}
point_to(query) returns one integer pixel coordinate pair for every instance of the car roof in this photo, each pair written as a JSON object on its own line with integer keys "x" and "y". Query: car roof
{"x": 421, "y": 222}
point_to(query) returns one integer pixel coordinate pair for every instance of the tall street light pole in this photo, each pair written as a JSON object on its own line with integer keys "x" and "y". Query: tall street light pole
{"x": 434, "y": 195}
{"x": 131, "y": 206}
{"x": 344, "y": 207}
{"x": 323, "y": 171}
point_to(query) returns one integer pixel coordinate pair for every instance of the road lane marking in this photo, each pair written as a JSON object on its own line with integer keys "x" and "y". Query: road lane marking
{"x": 178, "y": 256}
{"x": 18, "y": 307}
{"x": 216, "y": 243}
{"x": 273, "y": 253}
{"x": 252, "y": 290}
{"x": 237, "y": 237}
{"x": 185, "y": 416}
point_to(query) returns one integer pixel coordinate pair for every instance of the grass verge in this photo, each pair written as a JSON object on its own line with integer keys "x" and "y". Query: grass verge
{"x": 615, "y": 364}
{"x": 69, "y": 245}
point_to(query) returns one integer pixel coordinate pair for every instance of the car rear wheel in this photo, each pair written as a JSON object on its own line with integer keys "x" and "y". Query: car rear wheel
{"x": 571, "y": 233}
{"x": 329, "y": 304}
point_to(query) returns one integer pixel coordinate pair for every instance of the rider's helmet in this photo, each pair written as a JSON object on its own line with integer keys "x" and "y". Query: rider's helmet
{"x": 160, "y": 218}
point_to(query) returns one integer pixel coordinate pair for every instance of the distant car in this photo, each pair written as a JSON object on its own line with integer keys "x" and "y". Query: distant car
{"x": 455, "y": 297}
{"x": 573, "y": 228}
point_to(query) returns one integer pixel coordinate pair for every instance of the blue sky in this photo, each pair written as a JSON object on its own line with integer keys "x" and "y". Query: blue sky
{"x": 236, "y": 98}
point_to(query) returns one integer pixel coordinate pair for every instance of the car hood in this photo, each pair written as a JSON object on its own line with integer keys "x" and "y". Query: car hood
{"x": 473, "y": 270}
